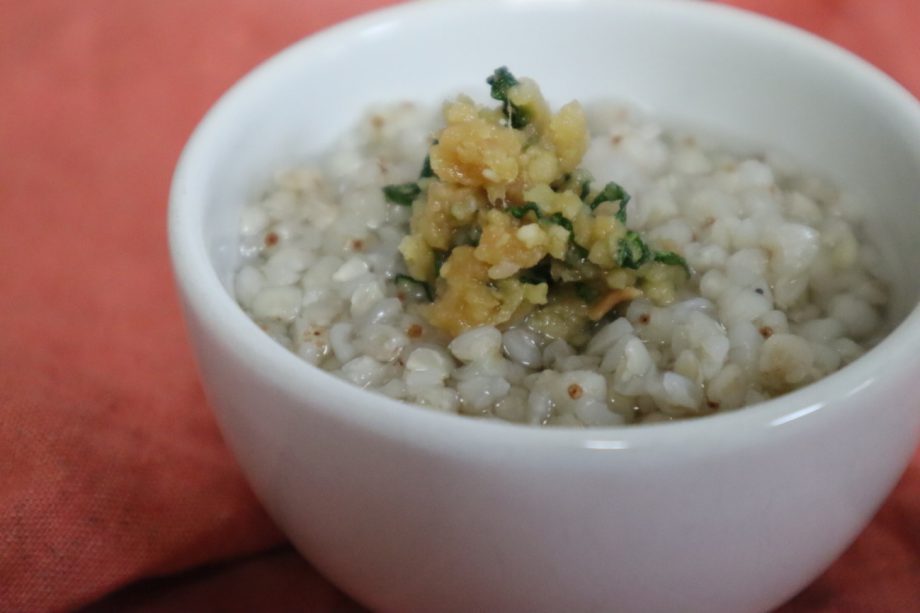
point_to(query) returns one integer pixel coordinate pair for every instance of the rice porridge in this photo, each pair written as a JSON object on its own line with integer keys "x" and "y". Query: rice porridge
{"x": 580, "y": 268}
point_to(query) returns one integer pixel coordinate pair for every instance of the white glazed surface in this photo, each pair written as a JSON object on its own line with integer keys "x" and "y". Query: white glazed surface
{"x": 410, "y": 510}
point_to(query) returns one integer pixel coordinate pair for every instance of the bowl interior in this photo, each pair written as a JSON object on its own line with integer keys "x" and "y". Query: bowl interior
{"x": 760, "y": 83}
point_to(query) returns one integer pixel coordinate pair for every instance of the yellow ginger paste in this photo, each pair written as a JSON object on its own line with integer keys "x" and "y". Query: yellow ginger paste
{"x": 506, "y": 226}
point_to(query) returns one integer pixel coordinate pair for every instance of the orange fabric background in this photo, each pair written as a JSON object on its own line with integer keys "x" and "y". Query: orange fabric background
{"x": 112, "y": 472}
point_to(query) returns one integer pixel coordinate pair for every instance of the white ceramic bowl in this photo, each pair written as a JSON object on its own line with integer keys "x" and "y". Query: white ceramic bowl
{"x": 412, "y": 510}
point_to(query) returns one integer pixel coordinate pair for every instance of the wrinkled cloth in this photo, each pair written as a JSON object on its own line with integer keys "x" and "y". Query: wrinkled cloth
{"x": 116, "y": 491}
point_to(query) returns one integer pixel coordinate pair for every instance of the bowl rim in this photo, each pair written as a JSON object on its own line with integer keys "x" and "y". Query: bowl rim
{"x": 204, "y": 295}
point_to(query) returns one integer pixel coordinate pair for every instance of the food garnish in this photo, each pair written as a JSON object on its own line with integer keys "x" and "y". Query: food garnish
{"x": 506, "y": 227}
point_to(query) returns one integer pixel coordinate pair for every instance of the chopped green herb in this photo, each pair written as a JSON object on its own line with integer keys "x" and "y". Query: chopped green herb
{"x": 402, "y": 194}
{"x": 672, "y": 259}
{"x": 520, "y": 116}
{"x": 559, "y": 220}
{"x": 613, "y": 192}
{"x": 426, "y": 168}
{"x": 407, "y": 280}
{"x": 579, "y": 182}
{"x": 501, "y": 82}
{"x": 632, "y": 252}
{"x": 427, "y": 171}
{"x": 519, "y": 211}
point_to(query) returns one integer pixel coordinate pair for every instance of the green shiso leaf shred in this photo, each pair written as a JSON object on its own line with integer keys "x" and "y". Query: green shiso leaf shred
{"x": 402, "y": 194}
{"x": 613, "y": 192}
{"x": 672, "y": 259}
{"x": 406, "y": 279}
{"x": 632, "y": 252}
{"x": 501, "y": 82}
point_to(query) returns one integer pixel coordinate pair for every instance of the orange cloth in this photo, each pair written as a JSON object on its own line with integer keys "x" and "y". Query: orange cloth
{"x": 111, "y": 468}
